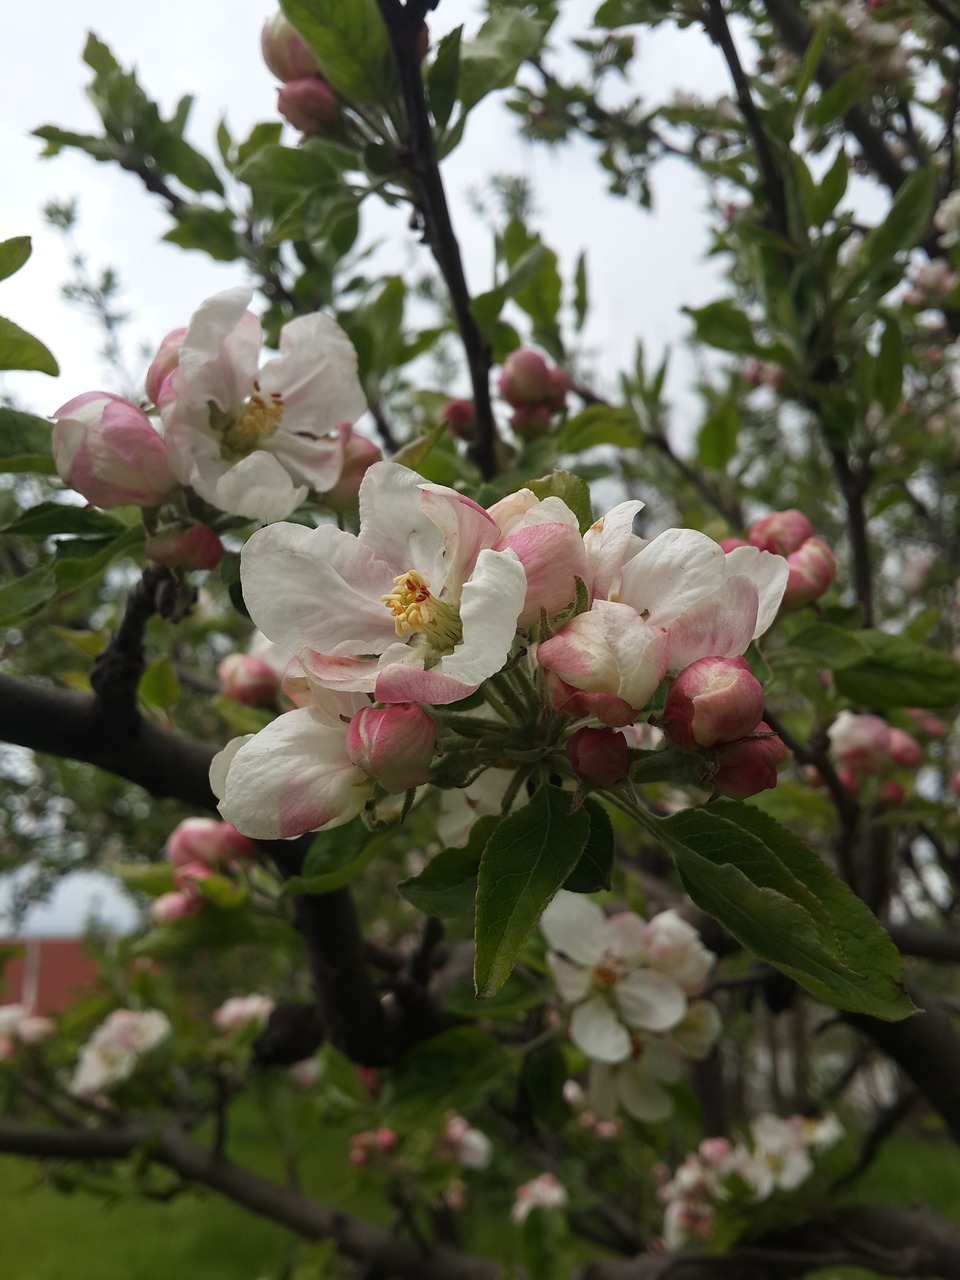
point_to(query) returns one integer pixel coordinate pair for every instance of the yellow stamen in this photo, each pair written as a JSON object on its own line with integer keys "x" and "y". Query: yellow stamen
{"x": 258, "y": 420}
{"x": 415, "y": 610}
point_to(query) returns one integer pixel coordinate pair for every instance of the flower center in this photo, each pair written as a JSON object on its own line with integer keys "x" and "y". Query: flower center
{"x": 609, "y": 970}
{"x": 415, "y": 610}
{"x": 258, "y": 419}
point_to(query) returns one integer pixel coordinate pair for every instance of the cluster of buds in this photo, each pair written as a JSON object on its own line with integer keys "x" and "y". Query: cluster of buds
{"x": 113, "y": 1051}
{"x": 199, "y": 849}
{"x": 534, "y": 389}
{"x": 464, "y": 1145}
{"x": 248, "y": 680}
{"x": 18, "y": 1027}
{"x": 304, "y": 98}
{"x": 931, "y": 283}
{"x": 777, "y": 1157}
{"x": 714, "y": 707}
{"x": 812, "y": 565}
{"x": 184, "y": 547}
{"x": 546, "y": 1191}
{"x": 866, "y": 746}
{"x": 367, "y": 1147}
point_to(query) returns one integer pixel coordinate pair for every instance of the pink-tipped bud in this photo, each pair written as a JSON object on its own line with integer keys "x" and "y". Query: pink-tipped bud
{"x": 731, "y": 544}
{"x": 599, "y": 756}
{"x": 359, "y": 454}
{"x": 848, "y": 780}
{"x": 248, "y": 680}
{"x": 183, "y": 547}
{"x": 905, "y": 750}
{"x": 525, "y": 379}
{"x": 812, "y": 571}
{"x": 284, "y": 51}
{"x": 461, "y": 417}
{"x": 559, "y": 386}
{"x": 531, "y": 422}
{"x": 385, "y": 1139}
{"x": 926, "y": 722}
{"x": 310, "y": 105}
{"x": 860, "y": 743}
{"x": 714, "y": 1151}
{"x": 162, "y": 366}
{"x": 892, "y": 794}
{"x": 394, "y": 745}
{"x": 175, "y": 906}
{"x": 714, "y": 700}
{"x": 106, "y": 449}
{"x": 780, "y": 532}
{"x": 750, "y": 765}
{"x": 206, "y": 840}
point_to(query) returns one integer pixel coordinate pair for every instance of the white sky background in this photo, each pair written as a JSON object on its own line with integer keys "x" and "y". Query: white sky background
{"x": 642, "y": 268}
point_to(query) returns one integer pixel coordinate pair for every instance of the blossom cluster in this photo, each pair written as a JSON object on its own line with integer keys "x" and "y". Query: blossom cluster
{"x": 779, "y": 1156}
{"x": 867, "y": 746}
{"x": 437, "y": 597}
{"x": 18, "y": 1026}
{"x": 111, "y": 1054}
{"x": 811, "y": 564}
{"x": 546, "y": 1191}
{"x": 198, "y": 849}
{"x": 633, "y": 985}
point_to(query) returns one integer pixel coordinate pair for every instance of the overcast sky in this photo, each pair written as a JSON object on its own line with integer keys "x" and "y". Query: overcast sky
{"x": 642, "y": 268}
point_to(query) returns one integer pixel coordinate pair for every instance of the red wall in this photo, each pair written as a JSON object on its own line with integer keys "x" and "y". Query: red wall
{"x": 47, "y": 974}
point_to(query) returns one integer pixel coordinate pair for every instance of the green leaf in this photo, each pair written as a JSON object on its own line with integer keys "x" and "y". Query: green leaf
{"x": 898, "y": 672}
{"x": 336, "y": 856}
{"x": 580, "y": 298}
{"x": 492, "y": 60}
{"x": 595, "y": 866}
{"x": 349, "y": 41}
{"x": 414, "y": 453}
{"x": 724, "y": 326}
{"x": 13, "y": 254}
{"x": 830, "y": 192}
{"x": 24, "y": 443}
{"x": 526, "y": 860}
{"x": 160, "y": 684}
{"x": 832, "y": 646}
{"x": 20, "y": 598}
{"x": 21, "y": 350}
{"x": 222, "y": 892}
{"x": 210, "y": 230}
{"x": 717, "y": 441}
{"x": 153, "y": 878}
{"x": 218, "y": 929}
{"x": 904, "y": 225}
{"x": 774, "y": 894}
{"x": 599, "y": 424}
{"x": 48, "y": 518}
{"x": 287, "y": 170}
{"x": 447, "y": 885}
{"x": 573, "y": 490}
{"x": 888, "y": 377}
{"x": 834, "y": 102}
{"x": 452, "y": 1070}
{"x": 443, "y": 76}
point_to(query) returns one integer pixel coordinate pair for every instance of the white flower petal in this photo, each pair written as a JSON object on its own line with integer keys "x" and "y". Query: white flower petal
{"x": 768, "y": 572}
{"x": 394, "y": 525}
{"x": 597, "y": 1031}
{"x": 316, "y": 373}
{"x": 573, "y": 980}
{"x": 650, "y": 1001}
{"x": 609, "y": 544}
{"x": 671, "y": 573}
{"x": 489, "y": 607}
{"x": 720, "y": 624}
{"x": 258, "y": 486}
{"x": 641, "y": 1095}
{"x": 575, "y": 926}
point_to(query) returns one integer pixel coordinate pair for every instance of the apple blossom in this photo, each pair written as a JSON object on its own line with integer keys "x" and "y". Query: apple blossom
{"x": 359, "y": 455}
{"x": 713, "y": 700}
{"x": 781, "y": 531}
{"x": 394, "y": 745}
{"x": 420, "y": 606}
{"x": 543, "y": 1192}
{"x": 240, "y": 1012}
{"x": 673, "y": 946}
{"x": 176, "y": 906}
{"x": 860, "y": 742}
{"x": 743, "y": 768}
{"x": 464, "y": 1144}
{"x": 905, "y": 750}
{"x": 34, "y": 1029}
{"x": 699, "y": 1031}
{"x": 111, "y": 1054}
{"x": 597, "y": 964}
{"x": 247, "y": 680}
{"x": 284, "y": 50}
{"x": 162, "y": 366}
{"x": 812, "y": 569}
{"x": 185, "y": 547}
{"x": 309, "y": 104}
{"x": 545, "y": 535}
{"x": 599, "y": 756}
{"x": 106, "y": 448}
{"x": 636, "y": 1084}
{"x": 253, "y": 441}
{"x": 525, "y": 379}
{"x": 206, "y": 840}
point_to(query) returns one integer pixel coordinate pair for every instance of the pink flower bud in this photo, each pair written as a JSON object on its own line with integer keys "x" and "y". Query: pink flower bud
{"x": 188, "y": 876}
{"x": 926, "y": 722}
{"x": 284, "y": 51}
{"x": 599, "y": 756}
{"x": 812, "y": 571}
{"x": 525, "y": 379}
{"x": 953, "y": 783}
{"x": 714, "y": 1150}
{"x": 559, "y": 386}
{"x": 531, "y": 421}
{"x": 860, "y": 743}
{"x": 905, "y": 750}
{"x": 386, "y": 1139}
{"x": 731, "y": 544}
{"x": 206, "y": 840}
{"x": 892, "y": 794}
{"x": 461, "y": 417}
{"x": 750, "y": 765}
{"x": 106, "y": 449}
{"x": 848, "y": 780}
{"x": 780, "y": 532}
{"x": 714, "y": 700}
{"x": 180, "y": 547}
{"x": 247, "y": 680}
{"x": 310, "y": 105}
{"x": 175, "y": 906}
{"x": 394, "y": 745}
{"x": 359, "y": 453}
{"x": 164, "y": 362}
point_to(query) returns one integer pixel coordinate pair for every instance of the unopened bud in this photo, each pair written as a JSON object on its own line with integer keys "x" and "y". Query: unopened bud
{"x": 780, "y": 532}
{"x": 460, "y": 416}
{"x": 206, "y": 840}
{"x": 525, "y": 379}
{"x": 175, "y": 906}
{"x": 164, "y": 362}
{"x": 359, "y": 454}
{"x": 531, "y": 422}
{"x": 750, "y": 765}
{"x": 731, "y": 544}
{"x": 185, "y": 547}
{"x": 714, "y": 700}
{"x": 394, "y": 745}
{"x": 284, "y": 51}
{"x": 106, "y": 448}
{"x": 310, "y": 105}
{"x": 905, "y": 750}
{"x": 599, "y": 756}
{"x": 247, "y": 680}
{"x": 812, "y": 571}
{"x": 861, "y": 743}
